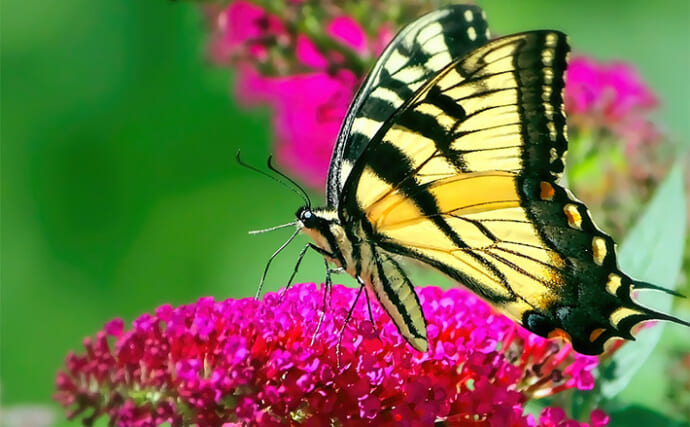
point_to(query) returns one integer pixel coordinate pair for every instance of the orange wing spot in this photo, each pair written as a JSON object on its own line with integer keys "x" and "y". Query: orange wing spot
{"x": 573, "y": 215}
{"x": 560, "y": 333}
{"x": 596, "y": 334}
{"x": 547, "y": 191}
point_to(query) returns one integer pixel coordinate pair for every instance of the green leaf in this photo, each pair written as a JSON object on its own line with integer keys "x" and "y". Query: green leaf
{"x": 652, "y": 252}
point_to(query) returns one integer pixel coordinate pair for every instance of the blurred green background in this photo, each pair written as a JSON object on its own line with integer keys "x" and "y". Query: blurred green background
{"x": 119, "y": 187}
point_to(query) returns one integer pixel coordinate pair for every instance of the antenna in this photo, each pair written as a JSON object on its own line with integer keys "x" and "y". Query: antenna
{"x": 301, "y": 191}
{"x": 304, "y": 193}
{"x": 277, "y": 227}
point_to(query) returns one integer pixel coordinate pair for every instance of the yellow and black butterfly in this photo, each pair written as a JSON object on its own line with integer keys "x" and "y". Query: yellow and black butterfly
{"x": 450, "y": 155}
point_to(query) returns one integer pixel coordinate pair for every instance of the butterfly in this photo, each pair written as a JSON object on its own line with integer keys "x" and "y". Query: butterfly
{"x": 450, "y": 155}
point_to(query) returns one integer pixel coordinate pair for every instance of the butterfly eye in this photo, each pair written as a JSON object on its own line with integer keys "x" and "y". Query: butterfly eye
{"x": 306, "y": 217}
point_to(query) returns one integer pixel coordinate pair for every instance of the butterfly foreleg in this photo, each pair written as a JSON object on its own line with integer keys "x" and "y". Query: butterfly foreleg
{"x": 327, "y": 293}
{"x": 371, "y": 315}
{"x": 300, "y": 257}
{"x": 345, "y": 322}
{"x": 294, "y": 271}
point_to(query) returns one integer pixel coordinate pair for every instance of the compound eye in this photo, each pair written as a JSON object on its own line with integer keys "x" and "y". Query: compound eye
{"x": 308, "y": 218}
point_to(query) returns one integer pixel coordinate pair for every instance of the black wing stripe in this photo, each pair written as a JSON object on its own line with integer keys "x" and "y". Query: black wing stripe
{"x": 485, "y": 231}
{"x": 453, "y": 273}
{"x": 393, "y": 166}
{"x": 517, "y": 268}
{"x": 555, "y": 269}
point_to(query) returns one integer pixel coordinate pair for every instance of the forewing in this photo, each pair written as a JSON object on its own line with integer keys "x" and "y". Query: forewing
{"x": 416, "y": 53}
{"x": 463, "y": 177}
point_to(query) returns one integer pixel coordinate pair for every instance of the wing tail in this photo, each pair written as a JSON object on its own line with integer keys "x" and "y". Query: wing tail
{"x": 650, "y": 286}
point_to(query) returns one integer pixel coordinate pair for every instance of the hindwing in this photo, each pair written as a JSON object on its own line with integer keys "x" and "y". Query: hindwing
{"x": 463, "y": 177}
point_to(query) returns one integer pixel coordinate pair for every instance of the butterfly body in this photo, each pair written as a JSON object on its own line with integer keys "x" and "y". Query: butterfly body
{"x": 450, "y": 156}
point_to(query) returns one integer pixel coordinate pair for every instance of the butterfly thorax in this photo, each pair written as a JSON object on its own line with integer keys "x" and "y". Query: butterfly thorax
{"x": 327, "y": 232}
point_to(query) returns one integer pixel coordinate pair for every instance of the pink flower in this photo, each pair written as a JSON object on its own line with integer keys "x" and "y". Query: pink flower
{"x": 611, "y": 97}
{"x": 253, "y": 363}
{"x": 245, "y": 31}
{"x": 548, "y": 366}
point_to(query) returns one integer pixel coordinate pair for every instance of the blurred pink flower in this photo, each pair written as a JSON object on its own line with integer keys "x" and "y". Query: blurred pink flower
{"x": 612, "y": 97}
{"x": 245, "y": 31}
{"x": 251, "y": 362}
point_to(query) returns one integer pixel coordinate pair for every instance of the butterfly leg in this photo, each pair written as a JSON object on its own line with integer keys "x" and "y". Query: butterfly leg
{"x": 294, "y": 272}
{"x": 342, "y": 329}
{"x": 300, "y": 257}
{"x": 327, "y": 292}
{"x": 371, "y": 315}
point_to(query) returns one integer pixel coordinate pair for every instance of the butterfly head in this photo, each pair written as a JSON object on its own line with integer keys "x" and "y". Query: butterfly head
{"x": 307, "y": 218}
{"x": 323, "y": 226}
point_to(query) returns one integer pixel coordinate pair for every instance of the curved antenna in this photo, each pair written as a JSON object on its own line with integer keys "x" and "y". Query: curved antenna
{"x": 303, "y": 195}
{"x": 277, "y": 227}
{"x": 268, "y": 264}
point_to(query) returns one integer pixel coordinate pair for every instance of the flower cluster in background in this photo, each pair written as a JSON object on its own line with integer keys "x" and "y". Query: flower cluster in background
{"x": 612, "y": 98}
{"x": 253, "y": 362}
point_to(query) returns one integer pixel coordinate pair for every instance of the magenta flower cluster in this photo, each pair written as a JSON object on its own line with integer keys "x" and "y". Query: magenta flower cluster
{"x": 254, "y": 363}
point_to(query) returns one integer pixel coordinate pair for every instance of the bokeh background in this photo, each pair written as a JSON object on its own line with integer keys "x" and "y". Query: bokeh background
{"x": 120, "y": 191}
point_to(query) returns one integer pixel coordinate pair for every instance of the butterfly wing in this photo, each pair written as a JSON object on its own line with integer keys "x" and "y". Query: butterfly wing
{"x": 416, "y": 53}
{"x": 463, "y": 177}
